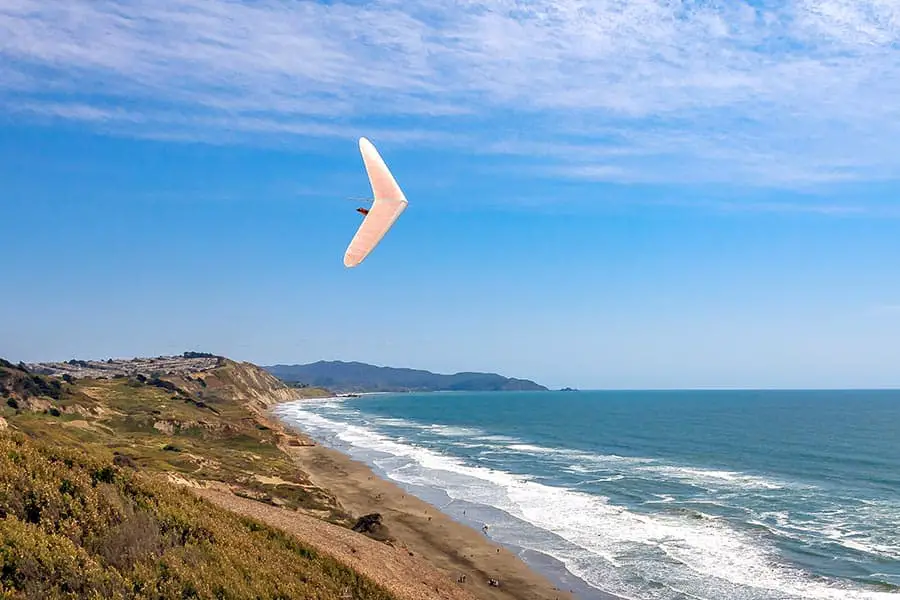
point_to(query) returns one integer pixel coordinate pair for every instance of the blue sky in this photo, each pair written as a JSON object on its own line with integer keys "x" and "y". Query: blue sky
{"x": 603, "y": 194}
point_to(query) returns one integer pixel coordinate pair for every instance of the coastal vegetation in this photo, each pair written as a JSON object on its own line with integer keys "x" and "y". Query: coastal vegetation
{"x": 85, "y": 523}
{"x": 201, "y": 427}
{"x": 88, "y": 502}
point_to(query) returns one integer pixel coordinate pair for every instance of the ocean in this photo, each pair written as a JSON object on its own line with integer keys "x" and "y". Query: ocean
{"x": 658, "y": 495}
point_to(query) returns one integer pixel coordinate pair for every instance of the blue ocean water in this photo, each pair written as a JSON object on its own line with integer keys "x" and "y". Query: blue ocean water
{"x": 737, "y": 495}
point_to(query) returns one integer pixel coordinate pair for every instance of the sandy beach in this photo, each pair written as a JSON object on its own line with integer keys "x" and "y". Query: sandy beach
{"x": 452, "y": 548}
{"x": 408, "y": 576}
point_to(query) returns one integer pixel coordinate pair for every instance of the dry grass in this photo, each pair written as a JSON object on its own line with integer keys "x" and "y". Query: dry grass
{"x": 208, "y": 429}
{"x": 73, "y": 524}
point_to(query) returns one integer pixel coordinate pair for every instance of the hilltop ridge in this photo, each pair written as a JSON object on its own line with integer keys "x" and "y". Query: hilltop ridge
{"x": 188, "y": 362}
{"x": 243, "y": 381}
{"x": 344, "y": 377}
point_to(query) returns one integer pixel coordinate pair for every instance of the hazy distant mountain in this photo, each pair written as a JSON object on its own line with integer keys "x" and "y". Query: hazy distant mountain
{"x": 342, "y": 377}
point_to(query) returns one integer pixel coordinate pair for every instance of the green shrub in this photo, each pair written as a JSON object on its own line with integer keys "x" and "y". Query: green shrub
{"x": 75, "y": 525}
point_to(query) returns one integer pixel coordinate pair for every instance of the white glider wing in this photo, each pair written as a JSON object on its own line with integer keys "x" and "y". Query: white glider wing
{"x": 388, "y": 204}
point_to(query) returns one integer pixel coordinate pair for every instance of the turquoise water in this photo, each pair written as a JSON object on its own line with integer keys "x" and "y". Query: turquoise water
{"x": 654, "y": 495}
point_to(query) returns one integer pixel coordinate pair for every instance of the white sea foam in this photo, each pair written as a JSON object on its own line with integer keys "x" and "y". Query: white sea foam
{"x": 452, "y": 431}
{"x": 661, "y": 499}
{"x": 873, "y": 528}
{"x": 329, "y": 402}
{"x": 498, "y": 438}
{"x": 713, "y": 477}
{"x": 391, "y": 422}
{"x": 579, "y": 469}
{"x": 607, "y": 545}
{"x": 532, "y": 449}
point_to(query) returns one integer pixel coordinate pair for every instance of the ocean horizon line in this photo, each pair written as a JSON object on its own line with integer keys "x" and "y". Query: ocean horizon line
{"x": 637, "y": 389}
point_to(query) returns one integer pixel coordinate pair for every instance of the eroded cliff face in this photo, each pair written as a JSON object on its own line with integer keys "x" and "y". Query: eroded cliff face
{"x": 205, "y": 426}
{"x": 204, "y": 376}
{"x": 227, "y": 392}
{"x": 248, "y": 384}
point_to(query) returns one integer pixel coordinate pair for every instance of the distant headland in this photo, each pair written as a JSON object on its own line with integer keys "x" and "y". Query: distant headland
{"x": 349, "y": 377}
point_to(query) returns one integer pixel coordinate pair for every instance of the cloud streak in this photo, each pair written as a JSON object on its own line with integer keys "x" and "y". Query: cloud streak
{"x": 789, "y": 94}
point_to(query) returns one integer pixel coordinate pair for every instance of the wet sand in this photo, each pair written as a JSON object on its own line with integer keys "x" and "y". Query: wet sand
{"x": 453, "y": 548}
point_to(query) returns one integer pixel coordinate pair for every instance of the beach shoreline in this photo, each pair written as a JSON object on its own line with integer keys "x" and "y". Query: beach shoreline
{"x": 455, "y": 548}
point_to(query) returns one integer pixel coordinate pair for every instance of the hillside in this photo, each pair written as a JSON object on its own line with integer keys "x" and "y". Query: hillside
{"x": 89, "y": 461}
{"x": 114, "y": 476}
{"x": 79, "y": 523}
{"x": 346, "y": 377}
{"x": 197, "y": 421}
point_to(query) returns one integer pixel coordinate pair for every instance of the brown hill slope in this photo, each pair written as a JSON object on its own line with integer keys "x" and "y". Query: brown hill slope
{"x": 76, "y": 525}
{"x": 205, "y": 425}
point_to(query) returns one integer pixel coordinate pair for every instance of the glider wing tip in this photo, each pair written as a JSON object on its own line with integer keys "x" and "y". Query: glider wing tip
{"x": 350, "y": 262}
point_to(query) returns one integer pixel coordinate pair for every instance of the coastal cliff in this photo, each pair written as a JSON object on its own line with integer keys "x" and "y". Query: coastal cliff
{"x": 102, "y": 475}
{"x": 161, "y": 430}
{"x": 239, "y": 382}
{"x": 200, "y": 421}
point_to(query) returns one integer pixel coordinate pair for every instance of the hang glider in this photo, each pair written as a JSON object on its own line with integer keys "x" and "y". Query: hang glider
{"x": 387, "y": 205}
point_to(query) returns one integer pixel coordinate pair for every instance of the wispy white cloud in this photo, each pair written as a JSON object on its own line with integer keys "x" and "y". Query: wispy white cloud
{"x": 791, "y": 93}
